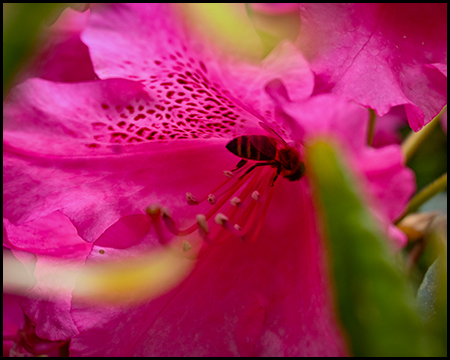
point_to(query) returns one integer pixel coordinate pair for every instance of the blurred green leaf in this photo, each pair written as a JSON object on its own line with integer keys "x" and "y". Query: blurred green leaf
{"x": 272, "y": 28}
{"x": 375, "y": 302}
{"x": 22, "y": 25}
{"x": 432, "y": 293}
{"x": 430, "y": 160}
{"x": 228, "y": 26}
{"x": 427, "y": 296}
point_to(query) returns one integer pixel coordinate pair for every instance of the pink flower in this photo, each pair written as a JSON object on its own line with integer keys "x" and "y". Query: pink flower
{"x": 379, "y": 55}
{"x": 45, "y": 324}
{"x": 64, "y": 57}
{"x": 387, "y": 127}
{"x": 155, "y": 128}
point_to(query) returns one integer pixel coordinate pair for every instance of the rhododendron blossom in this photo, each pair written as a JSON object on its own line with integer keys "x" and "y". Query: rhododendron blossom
{"x": 379, "y": 55}
{"x": 136, "y": 161}
{"x": 64, "y": 57}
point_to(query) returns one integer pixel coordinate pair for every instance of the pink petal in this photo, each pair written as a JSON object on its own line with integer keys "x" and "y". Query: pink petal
{"x": 266, "y": 298}
{"x": 55, "y": 241}
{"x": 382, "y": 172}
{"x": 92, "y": 151}
{"x": 64, "y": 57}
{"x": 377, "y": 54}
{"x": 70, "y": 163}
{"x": 387, "y": 127}
{"x": 153, "y": 44}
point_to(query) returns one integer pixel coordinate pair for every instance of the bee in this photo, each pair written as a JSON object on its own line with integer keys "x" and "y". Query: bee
{"x": 267, "y": 150}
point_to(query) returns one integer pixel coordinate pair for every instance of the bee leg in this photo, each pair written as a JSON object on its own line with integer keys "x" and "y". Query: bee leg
{"x": 276, "y": 176}
{"x": 258, "y": 164}
{"x": 240, "y": 164}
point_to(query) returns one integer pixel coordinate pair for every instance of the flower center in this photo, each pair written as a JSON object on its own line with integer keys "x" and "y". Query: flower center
{"x": 238, "y": 207}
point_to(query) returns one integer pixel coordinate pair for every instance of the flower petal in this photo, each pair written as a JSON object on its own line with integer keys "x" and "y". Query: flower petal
{"x": 267, "y": 298}
{"x": 377, "y": 54}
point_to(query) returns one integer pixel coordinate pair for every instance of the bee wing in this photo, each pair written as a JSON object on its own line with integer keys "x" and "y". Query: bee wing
{"x": 265, "y": 145}
{"x": 273, "y": 132}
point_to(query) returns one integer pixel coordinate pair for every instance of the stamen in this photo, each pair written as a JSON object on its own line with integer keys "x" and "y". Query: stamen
{"x": 186, "y": 246}
{"x": 212, "y": 199}
{"x": 229, "y": 174}
{"x": 202, "y": 224}
{"x": 237, "y": 213}
{"x": 235, "y": 201}
{"x": 168, "y": 221}
{"x": 154, "y": 211}
{"x": 191, "y": 199}
{"x": 262, "y": 216}
{"x": 222, "y": 220}
{"x": 255, "y": 195}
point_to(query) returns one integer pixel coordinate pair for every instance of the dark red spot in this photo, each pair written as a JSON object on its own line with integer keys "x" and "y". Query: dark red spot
{"x": 213, "y": 100}
{"x": 118, "y": 135}
{"x": 131, "y": 127}
{"x": 140, "y": 116}
{"x": 105, "y": 106}
{"x": 134, "y": 139}
{"x": 130, "y": 109}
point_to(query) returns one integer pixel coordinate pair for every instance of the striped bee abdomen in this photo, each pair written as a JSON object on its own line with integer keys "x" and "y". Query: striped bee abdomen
{"x": 253, "y": 147}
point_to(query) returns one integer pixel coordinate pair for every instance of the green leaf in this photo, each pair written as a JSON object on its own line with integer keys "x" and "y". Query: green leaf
{"x": 22, "y": 25}
{"x": 374, "y": 300}
{"x": 432, "y": 293}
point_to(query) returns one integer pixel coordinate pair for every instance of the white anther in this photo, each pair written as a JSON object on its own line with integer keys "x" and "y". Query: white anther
{"x": 229, "y": 174}
{"x": 191, "y": 199}
{"x": 237, "y": 227}
{"x": 211, "y": 199}
{"x": 202, "y": 223}
{"x": 235, "y": 201}
{"x": 255, "y": 195}
{"x": 221, "y": 219}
